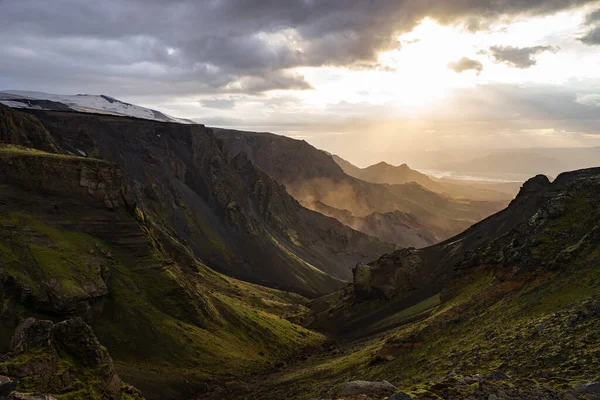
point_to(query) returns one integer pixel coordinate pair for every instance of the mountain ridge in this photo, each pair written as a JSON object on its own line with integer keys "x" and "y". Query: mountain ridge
{"x": 214, "y": 202}
{"x": 311, "y": 175}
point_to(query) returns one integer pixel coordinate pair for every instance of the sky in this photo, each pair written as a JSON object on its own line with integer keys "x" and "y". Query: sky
{"x": 366, "y": 79}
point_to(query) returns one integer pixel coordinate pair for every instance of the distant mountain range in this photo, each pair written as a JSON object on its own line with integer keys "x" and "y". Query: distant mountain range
{"x": 398, "y": 175}
{"x": 506, "y": 164}
{"x": 97, "y": 104}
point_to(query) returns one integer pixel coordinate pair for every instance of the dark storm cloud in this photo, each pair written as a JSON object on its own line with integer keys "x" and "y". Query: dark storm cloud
{"x": 519, "y": 57}
{"x": 466, "y": 64}
{"x": 184, "y": 47}
{"x": 593, "y": 17}
{"x": 592, "y": 37}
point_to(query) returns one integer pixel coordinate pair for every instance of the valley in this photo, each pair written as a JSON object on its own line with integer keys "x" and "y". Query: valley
{"x": 159, "y": 260}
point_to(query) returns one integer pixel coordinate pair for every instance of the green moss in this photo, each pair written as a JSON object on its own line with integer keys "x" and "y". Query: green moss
{"x": 408, "y": 314}
{"x": 67, "y": 258}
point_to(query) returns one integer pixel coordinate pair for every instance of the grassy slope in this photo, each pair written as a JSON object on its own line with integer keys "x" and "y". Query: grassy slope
{"x": 164, "y": 324}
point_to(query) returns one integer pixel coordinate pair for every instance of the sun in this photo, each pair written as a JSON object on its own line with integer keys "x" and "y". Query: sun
{"x": 420, "y": 64}
{"x": 411, "y": 77}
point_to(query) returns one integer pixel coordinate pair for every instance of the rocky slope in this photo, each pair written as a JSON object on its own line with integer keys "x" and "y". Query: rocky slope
{"x": 508, "y": 310}
{"x": 232, "y": 215}
{"x": 313, "y": 177}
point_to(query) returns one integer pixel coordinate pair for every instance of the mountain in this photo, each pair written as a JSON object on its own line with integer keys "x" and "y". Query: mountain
{"x": 394, "y": 175}
{"x": 232, "y": 215}
{"x": 78, "y": 250}
{"x": 115, "y": 231}
{"x": 315, "y": 179}
{"x": 98, "y": 104}
{"x": 386, "y": 173}
{"x": 508, "y": 309}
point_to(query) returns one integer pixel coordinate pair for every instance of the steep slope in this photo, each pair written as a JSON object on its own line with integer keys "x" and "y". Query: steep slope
{"x": 396, "y": 175}
{"x": 515, "y": 235}
{"x": 516, "y": 313}
{"x": 75, "y": 246}
{"x": 232, "y": 215}
{"x": 312, "y": 176}
{"x": 99, "y": 104}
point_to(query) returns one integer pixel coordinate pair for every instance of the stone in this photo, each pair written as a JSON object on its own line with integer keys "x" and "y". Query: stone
{"x": 7, "y": 388}
{"x": 368, "y": 388}
{"x": 541, "y": 327}
{"x": 469, "y": 380}
{"x": 493, "y": 397}
{"x": 588, "y": 388}
{"x": 400, "y": 396}
{"x": 4, "y": 379}
{"x": 499, "y": 376}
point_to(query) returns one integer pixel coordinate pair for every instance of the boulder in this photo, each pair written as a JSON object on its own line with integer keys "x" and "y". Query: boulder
{"x": 499, "y": 376}
{"x": 588, "y": 388}
{"x": 368, "y": 388}
{"x": 7, "y": 388}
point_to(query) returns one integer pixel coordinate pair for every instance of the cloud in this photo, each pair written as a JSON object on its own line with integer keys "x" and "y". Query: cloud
{"x": 593, "y": 17}
{"x": 592, "y": 36}
{"x": 182, "y": 47}
{"x": 592, "y": 100}
{"x": 519, "y": 57}
{"x": 466, "y": 64}
{"x": 219, "y": 104}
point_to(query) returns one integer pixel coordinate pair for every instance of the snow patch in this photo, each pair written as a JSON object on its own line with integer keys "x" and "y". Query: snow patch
{"x": 99, "y": 104}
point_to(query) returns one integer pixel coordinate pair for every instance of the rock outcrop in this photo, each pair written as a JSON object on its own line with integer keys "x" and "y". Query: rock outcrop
{"x": 392, "y": 274}
{"x": 62, "y": 358}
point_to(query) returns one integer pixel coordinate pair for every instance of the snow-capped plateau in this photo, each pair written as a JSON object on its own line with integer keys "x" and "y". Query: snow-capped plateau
{"x": 97, "y": 104}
